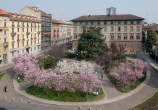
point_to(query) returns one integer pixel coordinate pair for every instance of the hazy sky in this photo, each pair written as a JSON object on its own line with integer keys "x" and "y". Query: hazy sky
{"x": 69, "y": 9}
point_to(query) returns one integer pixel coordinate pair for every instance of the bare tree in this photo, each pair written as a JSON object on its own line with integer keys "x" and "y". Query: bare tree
{"x": 57, "y": 51}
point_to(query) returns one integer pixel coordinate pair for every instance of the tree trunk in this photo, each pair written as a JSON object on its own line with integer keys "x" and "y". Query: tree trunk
{"x": 87, "y": 95}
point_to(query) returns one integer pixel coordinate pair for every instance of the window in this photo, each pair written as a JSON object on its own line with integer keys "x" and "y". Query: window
{"x": 131, "y": 28}
{"x": 138, "y": 22}
{"x": 132, "y": 22}
{"x": 112, "y": 36}
{"x": 125, "y": 37}
{"x": 112, "y": 22}
{"x": 12, "y": 45}
{"x": 5, "y": 32}
{"x": 112, "y": 28}
{"x": 125, "y": 28}
{"x": 5, "y": 39}
{"x": 31, "y": 27}
{"x": 119, "y": 28}
{"x": 23, "y": 41}
{"x": 125, "y": 22}
{"x": 98, "y": 22}
{"x": 138, "y": 28}
{"x": 27, "y": 42}
{"x": 138, "y": 36}
{"x": 119, "y": 22}
{"x": 91, "y": 22}
{"x": 119, "y": 36}
{"x": 105, "y": 22}
{"x": 5, "y": 24}
{"x": 131, "y": 37}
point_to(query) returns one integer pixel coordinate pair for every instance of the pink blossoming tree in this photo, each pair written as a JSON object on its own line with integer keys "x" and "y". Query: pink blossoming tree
{"x": 131, "y": 72}
{"x": 26, "y": 66}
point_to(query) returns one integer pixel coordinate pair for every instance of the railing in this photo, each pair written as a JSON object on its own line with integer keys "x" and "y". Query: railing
{"x": 13, "y": 33}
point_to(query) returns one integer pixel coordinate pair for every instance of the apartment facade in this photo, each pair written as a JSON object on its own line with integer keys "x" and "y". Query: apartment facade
{"x": 4, "y": 32}
{"x": 46, "y": 21}
{"x": 62, "y": 32}
{"x": 24, "y": 34}
{"x": 118, "y": 29}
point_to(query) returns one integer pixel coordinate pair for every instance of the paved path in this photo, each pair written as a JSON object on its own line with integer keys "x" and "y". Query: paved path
{"x": 14, "y": 101}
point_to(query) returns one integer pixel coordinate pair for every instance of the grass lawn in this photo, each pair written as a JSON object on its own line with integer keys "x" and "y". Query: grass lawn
{"x": 64, "y": 96}
{"x": 150, "y": 104}
{"x": 1, "y": 75}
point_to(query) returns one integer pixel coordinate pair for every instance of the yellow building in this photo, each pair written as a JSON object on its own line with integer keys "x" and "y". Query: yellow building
{"x": 3, "y": 37}
{"x": 24, "y": 34}
{"x": 19, "y": 33}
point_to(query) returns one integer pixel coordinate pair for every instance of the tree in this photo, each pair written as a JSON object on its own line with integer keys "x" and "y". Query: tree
{"x": 151, "y": 40}
{"x": 57, "y": 51}
{"x": 90, "y": 44}
{"x": 129, "y": 72}
{"x": 26, "y": 65}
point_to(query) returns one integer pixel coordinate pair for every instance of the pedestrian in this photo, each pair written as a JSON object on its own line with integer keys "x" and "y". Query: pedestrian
{"x": 5, "y": 89}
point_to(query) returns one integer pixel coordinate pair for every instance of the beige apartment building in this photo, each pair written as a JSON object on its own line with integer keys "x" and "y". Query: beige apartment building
{"x": 62, "y": 32}
{"x": 24, "y": 34}
{"x": 66, "y": 33}
{"x": 18, "y": 33}
{"x": 46, "y": 21}
{"x": 119, "y": 29}
{"x": 4, "y": 32}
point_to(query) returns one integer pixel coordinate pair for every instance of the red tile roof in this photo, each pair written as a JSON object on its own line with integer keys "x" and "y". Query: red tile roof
{"x": 23, "y": 19}
{"x": 54, "y": 21}
{"x": 2, "y": 12}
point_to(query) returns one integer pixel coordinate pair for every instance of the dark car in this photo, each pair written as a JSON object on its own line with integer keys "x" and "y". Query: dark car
{"x": 2, "y": 108}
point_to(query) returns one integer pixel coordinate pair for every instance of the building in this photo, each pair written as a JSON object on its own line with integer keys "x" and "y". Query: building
{"x": 62, "y": 32}
{"x": 19, "y": 33}
{"x": 151, "y": 27}
{"x": 4, "y": 33}
{"x": 24, "y": 34}
{"x": 123, "y": 29}
{"x": 46, "y": 20}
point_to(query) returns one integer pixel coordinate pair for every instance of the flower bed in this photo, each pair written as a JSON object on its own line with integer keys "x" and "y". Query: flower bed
{"x": 27, "y": 67}
{"x": 129, "y": 75}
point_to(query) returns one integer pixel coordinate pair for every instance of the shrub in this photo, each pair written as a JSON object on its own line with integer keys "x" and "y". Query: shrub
{"x": 70, "y": 55}
{"x": 47, "y": 62}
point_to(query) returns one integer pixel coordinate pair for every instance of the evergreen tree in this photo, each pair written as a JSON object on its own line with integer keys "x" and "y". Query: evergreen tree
{"x": 91, "y": 43}
{"x": 151, "y": 40}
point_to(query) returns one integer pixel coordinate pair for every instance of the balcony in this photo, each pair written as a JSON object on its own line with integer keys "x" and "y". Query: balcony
{"x": 5, "y": 44}
{"x": 27, "y": 33}
{"x": 13, "y": 34}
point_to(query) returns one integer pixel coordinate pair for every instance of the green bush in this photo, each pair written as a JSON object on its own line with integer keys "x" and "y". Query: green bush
{"x": 20, "y": 79}
{"x": 47, "y": 62}
{"x": 70, "y": 55}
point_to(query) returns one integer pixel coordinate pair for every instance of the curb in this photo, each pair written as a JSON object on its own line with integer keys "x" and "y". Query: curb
{"x": 105, "y": 100}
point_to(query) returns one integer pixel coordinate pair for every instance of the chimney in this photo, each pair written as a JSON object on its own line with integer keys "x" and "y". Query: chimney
{"x": 111, "y": 11}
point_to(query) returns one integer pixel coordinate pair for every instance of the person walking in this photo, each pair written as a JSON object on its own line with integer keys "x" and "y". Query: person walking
{"x": 5, "y": 89}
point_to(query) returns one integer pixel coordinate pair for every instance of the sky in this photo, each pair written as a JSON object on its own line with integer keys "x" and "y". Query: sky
{"x": 69, "y": 9}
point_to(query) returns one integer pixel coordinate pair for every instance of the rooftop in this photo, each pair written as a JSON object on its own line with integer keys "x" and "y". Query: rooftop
{"x": 153, "y": 27}
{"x": 108, "y": 18}
{"x": 55, "y": 21}
{"x": 2, "y": 12}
